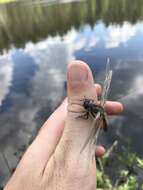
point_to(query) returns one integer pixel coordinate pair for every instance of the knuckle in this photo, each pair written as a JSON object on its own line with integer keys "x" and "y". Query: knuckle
{"x": 75, "y": 105}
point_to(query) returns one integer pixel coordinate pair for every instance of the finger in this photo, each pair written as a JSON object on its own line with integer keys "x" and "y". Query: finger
{"x": 113, "y": 108}
{"x": 80, "y": 86}
{"x": 99, "y": 151}
{"x": 46, "y": 141}
{"x": 98, "y": 89}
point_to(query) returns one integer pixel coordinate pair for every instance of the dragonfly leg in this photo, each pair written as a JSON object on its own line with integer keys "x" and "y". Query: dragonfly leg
{"x": 93, "y": 114}
{"x": 84, "y": 116}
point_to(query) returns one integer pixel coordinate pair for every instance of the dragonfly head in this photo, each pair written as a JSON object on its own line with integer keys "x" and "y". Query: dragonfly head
{"x": 86, "y": 103}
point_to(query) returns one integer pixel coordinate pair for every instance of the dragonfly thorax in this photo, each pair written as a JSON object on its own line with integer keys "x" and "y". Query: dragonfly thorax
{"x": 90, "y": 106}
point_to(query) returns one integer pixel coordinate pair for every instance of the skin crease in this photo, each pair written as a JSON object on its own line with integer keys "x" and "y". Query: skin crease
{"x": 54, "y": 160}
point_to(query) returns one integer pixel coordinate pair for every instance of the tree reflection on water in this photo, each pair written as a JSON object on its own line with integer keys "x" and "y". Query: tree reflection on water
{"x": 22, "y": 22}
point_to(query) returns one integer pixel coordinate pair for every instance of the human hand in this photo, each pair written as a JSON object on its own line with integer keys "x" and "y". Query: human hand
{"x": 54, "y": 160}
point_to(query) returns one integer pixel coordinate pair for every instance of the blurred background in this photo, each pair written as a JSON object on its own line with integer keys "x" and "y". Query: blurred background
{"x": 38, "y": 39}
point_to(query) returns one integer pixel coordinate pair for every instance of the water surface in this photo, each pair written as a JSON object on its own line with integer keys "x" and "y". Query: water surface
{"x": 38, "y": 40}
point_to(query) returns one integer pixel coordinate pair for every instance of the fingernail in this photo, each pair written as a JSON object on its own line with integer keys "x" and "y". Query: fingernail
{"x": 77, "y": 74}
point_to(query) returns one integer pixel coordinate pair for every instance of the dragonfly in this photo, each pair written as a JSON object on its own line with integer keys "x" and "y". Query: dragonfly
{"x": 97, "y": 110}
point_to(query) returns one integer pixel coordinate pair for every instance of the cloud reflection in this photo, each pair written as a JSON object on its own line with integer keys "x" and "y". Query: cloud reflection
{"x": 127, "y": 84}
{"x": 47, "y": 89}
{"x": 6, "y": 70}
{"x": 52, "y": 57}
{"x": 85, "y": 38}
{"x": 118, "y": 34}
{"x": 47, "y": 83}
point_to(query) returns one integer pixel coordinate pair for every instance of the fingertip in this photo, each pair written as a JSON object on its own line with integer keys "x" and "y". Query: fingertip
{"x": 77, "y": 62}
{"x": 100, "y": 151}
{"x": 77, "y": 71}
{"x": 114, "y": 108}
{"x": 79, "y": 78}
{"x": 118, "y": 106}
{"x": 121, "y": 106}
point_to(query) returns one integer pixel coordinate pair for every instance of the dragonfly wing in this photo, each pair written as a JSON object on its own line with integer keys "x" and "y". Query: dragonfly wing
{"x": 106, "y": 85}
{"x": 92, "y": 132}
{"x": 97, "y": 133}
{"x": 97, "y": 122}
{"x": 104, "y": 95}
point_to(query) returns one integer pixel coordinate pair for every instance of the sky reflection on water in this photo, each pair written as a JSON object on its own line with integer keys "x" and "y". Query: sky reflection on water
{"x": 33, "y": 81}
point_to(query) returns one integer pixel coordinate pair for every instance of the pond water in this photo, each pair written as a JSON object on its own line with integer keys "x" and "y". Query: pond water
{"x": 38, "y": 40}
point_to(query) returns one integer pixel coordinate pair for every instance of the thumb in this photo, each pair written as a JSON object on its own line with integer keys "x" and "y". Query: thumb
{"x": 80, "y": 86}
